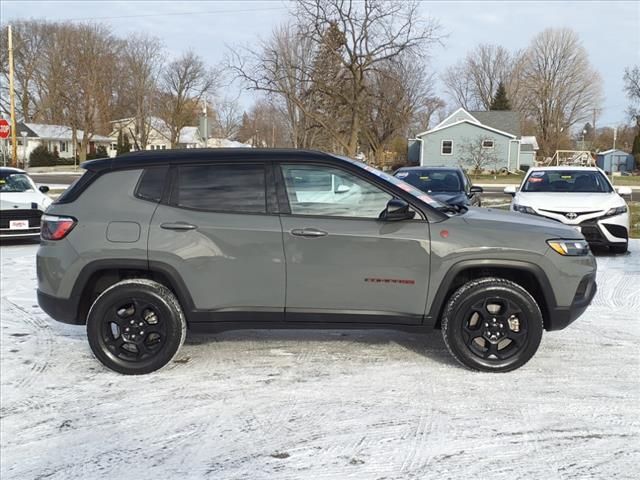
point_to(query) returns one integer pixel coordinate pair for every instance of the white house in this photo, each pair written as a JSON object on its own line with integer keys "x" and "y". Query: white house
{"x": 57, "y": 138}
{"x": 158, "y": 137}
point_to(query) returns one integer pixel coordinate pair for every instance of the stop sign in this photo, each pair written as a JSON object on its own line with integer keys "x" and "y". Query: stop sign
{"x": 5, "y": 129}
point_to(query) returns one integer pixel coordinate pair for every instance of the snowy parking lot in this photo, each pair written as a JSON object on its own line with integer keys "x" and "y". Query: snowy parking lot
{"x": 321, "y": 404}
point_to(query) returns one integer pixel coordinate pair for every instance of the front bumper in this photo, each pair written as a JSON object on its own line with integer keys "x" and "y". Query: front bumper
{"x": 561, "y": 317}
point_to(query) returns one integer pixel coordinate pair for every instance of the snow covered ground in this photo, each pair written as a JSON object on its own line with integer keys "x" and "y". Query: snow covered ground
{"x": 321, "y": 405}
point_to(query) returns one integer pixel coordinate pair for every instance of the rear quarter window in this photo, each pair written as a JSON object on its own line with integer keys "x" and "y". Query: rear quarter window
{"x": 151, "y": 184}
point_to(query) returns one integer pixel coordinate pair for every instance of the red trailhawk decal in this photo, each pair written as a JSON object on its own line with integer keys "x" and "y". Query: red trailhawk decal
{"x": 398, "y": 281}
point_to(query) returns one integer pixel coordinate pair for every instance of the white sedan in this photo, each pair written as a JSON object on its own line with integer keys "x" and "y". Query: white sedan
{"x": 22, "y": 204}
{"x": 579, "y": 196}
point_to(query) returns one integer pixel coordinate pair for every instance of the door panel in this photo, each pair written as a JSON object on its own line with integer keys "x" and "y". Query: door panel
{"x": 343, "y": 264}
{"x": 216, "y": 233}
{"x": 228, "y": 261}
{"x": 358, "y": 267}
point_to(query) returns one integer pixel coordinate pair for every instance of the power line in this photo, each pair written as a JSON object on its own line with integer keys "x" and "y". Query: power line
{"x": 209, "y": 12}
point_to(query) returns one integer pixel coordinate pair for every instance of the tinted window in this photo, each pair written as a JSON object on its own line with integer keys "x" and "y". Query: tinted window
{"x": 222, "y": 188}
{"x": 328, "y": 191}
{"x": 586, "y": 181}
{"x": 432, "y": 180}
{"x": 151, "y": 184}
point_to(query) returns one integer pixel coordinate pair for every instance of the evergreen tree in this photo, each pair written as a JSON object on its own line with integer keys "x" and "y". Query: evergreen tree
{"x": 123, "y": 145}
{"x": 500, "y": 100}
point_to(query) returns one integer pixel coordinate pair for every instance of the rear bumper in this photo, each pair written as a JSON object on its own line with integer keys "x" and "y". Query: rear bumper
{"x": 561, "y": 317}
{"x": 17, "y": 234}
{"x": 63, "y": 310}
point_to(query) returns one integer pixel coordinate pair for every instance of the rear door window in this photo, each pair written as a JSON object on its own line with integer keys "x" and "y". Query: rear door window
{"x": 234, "y": 188}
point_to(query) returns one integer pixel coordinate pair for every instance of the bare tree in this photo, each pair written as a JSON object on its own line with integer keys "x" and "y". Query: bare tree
{"x": 89, "y": 53}
{"x": 471, "y": 153}
{"x": 142, "y": 61}
{"x": 183, "y": 84}
{"x": 228, "y": 118}
{"x": 473, "y": 81}
{"x": 559, "y": 86}
{"x": 371, "y": 33}
{"x": 631, "y": 80}
{"x": 399, "y": 89}
{"x": 30, "y": 39}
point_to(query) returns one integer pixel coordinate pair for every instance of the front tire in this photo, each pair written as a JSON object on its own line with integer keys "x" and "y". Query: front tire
{"x": 492, "y": 325}
{"x": 136, "y": 326}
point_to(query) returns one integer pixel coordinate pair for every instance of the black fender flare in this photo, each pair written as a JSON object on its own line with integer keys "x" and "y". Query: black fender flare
{"x": 435, "y": 311}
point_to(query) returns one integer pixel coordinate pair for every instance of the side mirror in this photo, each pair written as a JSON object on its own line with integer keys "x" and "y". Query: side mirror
{"x": 476, "y": 189}
{"x": 624, "y": 191}
{"x": 397, "y": 209}
{"x": 510, "y": 190}
{"x": 342, "y": 189}
{"x": 43, "y": 188}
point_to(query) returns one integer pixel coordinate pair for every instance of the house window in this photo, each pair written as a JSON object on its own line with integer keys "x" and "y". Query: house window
{"x": 63, "y": 146}
{"x": 114, "y": 146}
{"x": 164, "y": 147}
{"x": 487, "y": 143}
{"x": 447, "y": 147}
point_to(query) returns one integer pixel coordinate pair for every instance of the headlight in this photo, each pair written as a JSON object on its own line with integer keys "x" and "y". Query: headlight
{"x": 523, "y": 209}
{"x": 616, "y": 211}
{"x": 571, "y": 248}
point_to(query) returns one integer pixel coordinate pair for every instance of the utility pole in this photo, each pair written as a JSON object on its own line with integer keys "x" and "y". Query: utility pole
{"x": 206, "y": 127}
{"x": 12, "y": 101}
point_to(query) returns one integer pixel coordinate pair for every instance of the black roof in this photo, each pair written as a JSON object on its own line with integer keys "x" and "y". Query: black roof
{"x": 147, "y": 158}
{"x": 11, "y": 170}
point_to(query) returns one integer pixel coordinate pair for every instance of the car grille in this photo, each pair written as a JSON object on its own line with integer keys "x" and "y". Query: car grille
{"x": 569, "y": 215}
{"x": 617, "y": 230}
{"x": 32, "y": 215}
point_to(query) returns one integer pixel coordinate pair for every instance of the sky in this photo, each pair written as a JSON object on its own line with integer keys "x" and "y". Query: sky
{"x": 609, "y": 30}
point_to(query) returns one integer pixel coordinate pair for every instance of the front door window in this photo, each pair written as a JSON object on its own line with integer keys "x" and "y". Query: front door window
{"x": 331, "y": 192}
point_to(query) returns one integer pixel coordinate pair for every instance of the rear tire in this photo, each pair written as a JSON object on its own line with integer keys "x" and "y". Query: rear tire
{"x": 136, "y": 326}
{"x": 492, "y": 325}
{"x": 619, "y": 249}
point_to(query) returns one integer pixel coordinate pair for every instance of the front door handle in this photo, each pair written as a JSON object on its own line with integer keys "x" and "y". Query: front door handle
{"x": 180, "y": 226}
{"x": 308, "y": 232}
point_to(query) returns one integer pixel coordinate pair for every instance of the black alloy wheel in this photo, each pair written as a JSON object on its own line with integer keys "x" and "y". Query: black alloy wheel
{"x": 492, "y": 324}
{"x": 136, "y": 326}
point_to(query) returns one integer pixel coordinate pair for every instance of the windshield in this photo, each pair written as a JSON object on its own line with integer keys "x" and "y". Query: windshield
{"x": 410, "y": 189}
{"x": 572, "y": 181}
{"x": 15, "y": 182}
{"x": 432, "y": 180}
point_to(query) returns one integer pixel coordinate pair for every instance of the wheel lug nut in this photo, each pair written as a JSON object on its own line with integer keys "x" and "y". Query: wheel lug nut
{"x": 486, "y": 324}
{"x": 127, "y": 329}
{"x": 142, "y": 332}
{"x": 140, "y": 324}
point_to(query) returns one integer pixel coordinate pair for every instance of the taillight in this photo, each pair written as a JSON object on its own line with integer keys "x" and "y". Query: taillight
{"x": 53, "y": 227}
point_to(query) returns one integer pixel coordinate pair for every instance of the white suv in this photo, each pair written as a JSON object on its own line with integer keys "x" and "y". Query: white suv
{"x": 582, "y": 197}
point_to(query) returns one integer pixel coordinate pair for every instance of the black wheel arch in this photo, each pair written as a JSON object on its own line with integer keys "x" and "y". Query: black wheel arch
{"x": 99, "y": 275}
{"x": 528, "y": 275}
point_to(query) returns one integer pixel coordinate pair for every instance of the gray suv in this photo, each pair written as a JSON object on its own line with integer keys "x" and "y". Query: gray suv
{"x": 147, "y": 245}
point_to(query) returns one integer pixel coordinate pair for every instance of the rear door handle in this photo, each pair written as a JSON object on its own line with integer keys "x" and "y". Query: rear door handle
{"x": 180, "y": 226}
{"x": 308, "y": 232}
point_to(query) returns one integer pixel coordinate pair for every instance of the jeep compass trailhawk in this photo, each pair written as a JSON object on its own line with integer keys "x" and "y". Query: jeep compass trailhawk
{"x": 148, "y": 244}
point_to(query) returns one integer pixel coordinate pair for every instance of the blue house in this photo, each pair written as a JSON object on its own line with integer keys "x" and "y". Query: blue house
{"x": 615, "y": 161}
{"x": 492, "y": 136}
